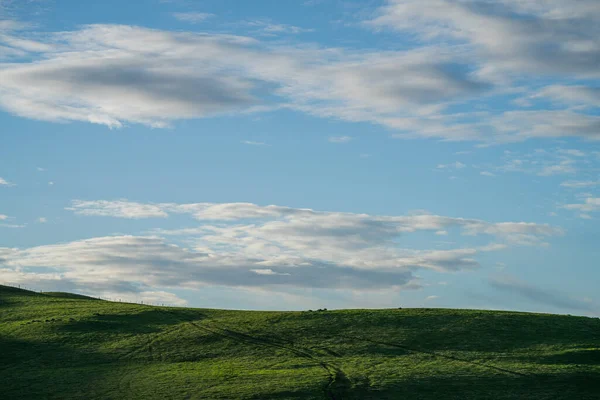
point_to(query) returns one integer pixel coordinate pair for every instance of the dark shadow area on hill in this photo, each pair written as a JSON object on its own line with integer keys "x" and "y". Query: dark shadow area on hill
{"x": 148, "y": 321}
{"x": 10, "y": 295}
{"x": 288, "y": 395}
{"x": 11, "y": 290}
{"x": 568, "y": 386}
{"x": 388, "y": 351}
{"x": 39, "y": 370}
{"x": 575, "y": 357}
{"x": 63, "y": 295}
{"x": 53, "y": 368}
{"x": 504, "y": 334}
{"x": 486, "y": 332}
{"x": 95, "y": 352}
{"x": 43, "y": 354}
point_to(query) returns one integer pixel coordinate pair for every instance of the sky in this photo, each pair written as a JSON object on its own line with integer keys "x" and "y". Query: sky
{"x": 289, "y": 155}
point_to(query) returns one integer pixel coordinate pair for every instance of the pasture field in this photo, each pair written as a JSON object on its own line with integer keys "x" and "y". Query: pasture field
{"x": 64, "y": 346}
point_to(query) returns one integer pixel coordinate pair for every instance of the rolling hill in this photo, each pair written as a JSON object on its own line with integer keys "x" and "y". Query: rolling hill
{"x": 64, "y": 346}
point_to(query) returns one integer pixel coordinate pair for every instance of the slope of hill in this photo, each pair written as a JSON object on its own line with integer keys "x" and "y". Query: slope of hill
{"x": 67, "y": 347}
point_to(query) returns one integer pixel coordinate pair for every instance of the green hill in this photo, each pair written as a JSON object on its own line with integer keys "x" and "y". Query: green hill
{"x": 71, "y": 347}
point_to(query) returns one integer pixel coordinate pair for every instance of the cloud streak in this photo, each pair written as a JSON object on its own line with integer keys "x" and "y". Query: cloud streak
{"x": 545, "y": 297}
{"x": 4, "y": 182}
{"x": 192, "y": 17}
{"x": 155, "y": 77}
{"x": 118, "y": 209}
{"x": 245, "y": 245}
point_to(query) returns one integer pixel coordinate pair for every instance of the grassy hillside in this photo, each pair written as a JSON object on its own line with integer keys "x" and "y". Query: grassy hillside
{"x": 61, "y": 346}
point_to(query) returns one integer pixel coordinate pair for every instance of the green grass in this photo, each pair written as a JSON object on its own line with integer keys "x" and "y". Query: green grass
{"x": 62, "y": 346}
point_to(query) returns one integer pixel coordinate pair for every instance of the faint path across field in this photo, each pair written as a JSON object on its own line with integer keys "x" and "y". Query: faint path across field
{"x": 338, "y": 384}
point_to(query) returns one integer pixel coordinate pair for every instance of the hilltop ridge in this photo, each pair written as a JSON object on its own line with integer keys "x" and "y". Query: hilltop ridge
{"x": 59, "y": 345}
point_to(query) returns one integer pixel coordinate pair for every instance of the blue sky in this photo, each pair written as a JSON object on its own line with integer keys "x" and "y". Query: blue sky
{"x": 293, "y": 155}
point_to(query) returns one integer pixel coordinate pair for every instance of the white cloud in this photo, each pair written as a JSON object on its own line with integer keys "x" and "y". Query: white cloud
{"x": 270, "y": 28}
{"x": 251, "y": 246}
{"x": 564, "y": 167}
{"x": 580, "y": 184}
{"x": 42, "y": 220}
{"x": 591, "y": 204}
{"x": 116, "y": 75}
{"x": 487, "y": 173}
{"x": 572, "y": 152}
{"x": 546, "y": 162}
{"x": 454, "y": 165}
{"x": 251, "y": 143}
{"x": 544, "y": 37}
{"x": 549, "y": 297}
{"x": 119, "y": 209}
{"x": 513, "y": 43}
{"x": 13, "y": 226}
{"x": 3, "y": 217}
{"x": 128, "y": 264}
{"x": 520, "y": 125}
{"x": 267, "y": 271}
{"x": 192, "y": 17}
{"x": 154, "y": 77}
{"x": 570, "y": 95}
{"x": 342, "y": 229}
{"x": 7, "y": 25}
{"x": 340, "y": 139}
{"x": 4, "y": 182}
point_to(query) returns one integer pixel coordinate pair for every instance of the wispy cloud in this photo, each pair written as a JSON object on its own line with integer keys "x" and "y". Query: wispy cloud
{"x": 545, "y": 162}
{"x": 547, "y": 297}
{"x": 252, "y": 143}
{"x": 354, "y": 225}
{"x": 457, "y": 54}
{"x": 270, "y": 28}
{"x": 118, "y": 209}
{"x": 340, "y": 139}
{"x": 192, "y": 17}
{"x": 454, "y": 165}
{"x": 580, "y": 184}
{"x": 512, "y": 36}
{"x": 4, "y": 182}
{"x": 562, "y": 168}
{"x": 252, "y": 246}
{"x": 13, "y": 226}
{"x": 575, "y": 95}
{"x": 591, "y": 204}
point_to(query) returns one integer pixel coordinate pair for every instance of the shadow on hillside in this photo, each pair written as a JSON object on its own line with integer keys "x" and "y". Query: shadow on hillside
{"x": 483, "y": 333}
{"x": 10, "y": 295}
{"x": 574, "y": 357}
{"x": 147, "y": 321}
{"x": 566, "y": 386}
{"x": 69, "y": 296}
{"x": 36, "y": 370}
